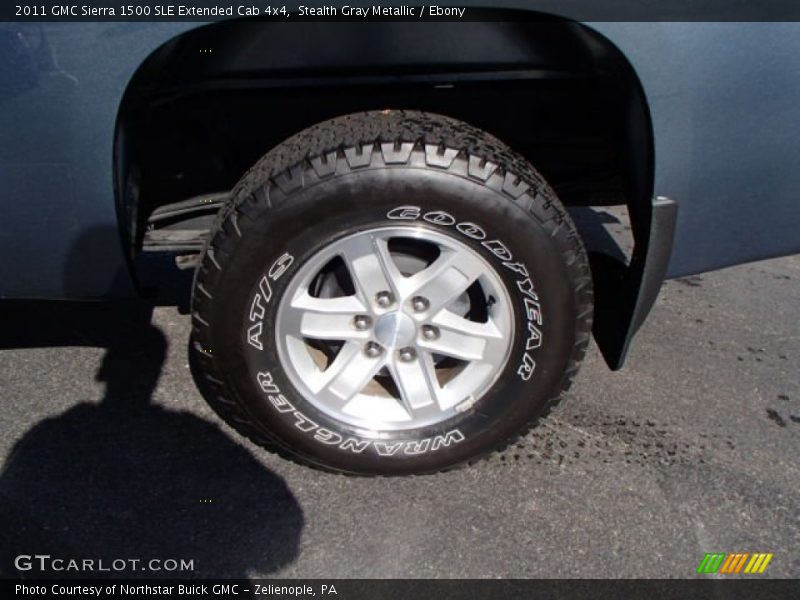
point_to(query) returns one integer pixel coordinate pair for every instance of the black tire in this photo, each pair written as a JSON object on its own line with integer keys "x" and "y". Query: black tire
{"x": 344, "y": 175}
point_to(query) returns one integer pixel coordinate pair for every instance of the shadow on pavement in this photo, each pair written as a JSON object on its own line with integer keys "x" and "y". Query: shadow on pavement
{"x": 127, "y": 478}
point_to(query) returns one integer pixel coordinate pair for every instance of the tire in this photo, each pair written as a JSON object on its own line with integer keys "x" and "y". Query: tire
{"x": 436, "y": 188}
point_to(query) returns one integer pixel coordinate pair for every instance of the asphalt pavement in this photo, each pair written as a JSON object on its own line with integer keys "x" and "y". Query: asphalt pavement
{"x": 110, "y": 452}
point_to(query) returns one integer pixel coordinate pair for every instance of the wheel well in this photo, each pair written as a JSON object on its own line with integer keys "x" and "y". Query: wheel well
{"x": 206, "y": 105}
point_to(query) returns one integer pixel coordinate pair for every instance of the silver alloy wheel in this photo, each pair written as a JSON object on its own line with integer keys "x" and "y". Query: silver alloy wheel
{"x": 406, "y": 342}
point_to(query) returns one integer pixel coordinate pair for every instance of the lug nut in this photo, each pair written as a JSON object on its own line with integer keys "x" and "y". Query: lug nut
{"x": 373, "y": 350}
{"x": 420, "y": 304}
{"x": 407, "y": 354}
{"x": 362, "y": 322}
{"x": 384, "y": 299}
{"x": 429, "y": 332}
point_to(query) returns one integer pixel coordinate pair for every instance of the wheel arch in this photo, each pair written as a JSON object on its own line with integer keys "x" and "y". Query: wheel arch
{"x": 211, "y": 68}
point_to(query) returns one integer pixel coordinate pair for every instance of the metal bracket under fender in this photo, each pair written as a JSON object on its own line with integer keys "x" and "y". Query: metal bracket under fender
{"x": 624, "y": 294}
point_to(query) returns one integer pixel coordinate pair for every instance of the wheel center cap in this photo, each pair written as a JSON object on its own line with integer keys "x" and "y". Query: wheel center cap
{"x": 395, "y": 330}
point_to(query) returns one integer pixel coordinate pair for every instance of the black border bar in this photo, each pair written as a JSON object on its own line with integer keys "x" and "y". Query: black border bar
{"x": 406, "y": 589}
{"x": 477, "y": 10}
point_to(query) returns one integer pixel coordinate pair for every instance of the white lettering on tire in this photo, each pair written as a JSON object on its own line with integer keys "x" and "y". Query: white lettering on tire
{"x": 533, "y": 309}
{"x": 329, "y": 437}
{"x": 258, "y": 306}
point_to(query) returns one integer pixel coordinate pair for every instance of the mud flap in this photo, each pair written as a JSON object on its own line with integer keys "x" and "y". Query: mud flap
{"x": 624, "y": 294}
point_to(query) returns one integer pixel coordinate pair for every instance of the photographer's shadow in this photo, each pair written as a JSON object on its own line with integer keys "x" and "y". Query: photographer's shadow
{"x": 126, "y": 478}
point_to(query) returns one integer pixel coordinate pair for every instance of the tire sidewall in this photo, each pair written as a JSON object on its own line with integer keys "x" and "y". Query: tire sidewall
{"x": 276, "y": 241}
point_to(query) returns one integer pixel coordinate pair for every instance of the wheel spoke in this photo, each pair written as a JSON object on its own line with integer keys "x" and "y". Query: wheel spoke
{"x": 417, "y": 384}
{"x": 445, "y": 279}
{"x": 463, "y": 339}
{"x": 349, "y": 373}
{"x": 371, "y": 266}
{"x": 326, "y": 318}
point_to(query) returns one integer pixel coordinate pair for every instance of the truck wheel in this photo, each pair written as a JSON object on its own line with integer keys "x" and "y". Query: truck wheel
{"x": 390, "y": 292}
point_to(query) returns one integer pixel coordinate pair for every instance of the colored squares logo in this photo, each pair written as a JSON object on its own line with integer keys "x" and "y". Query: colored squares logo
{"x": 732, "y": 564}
